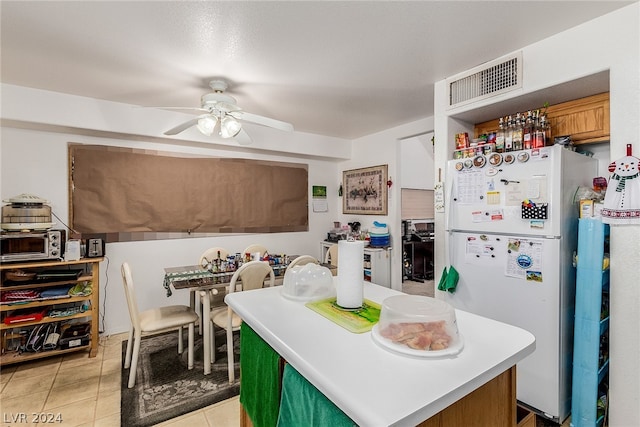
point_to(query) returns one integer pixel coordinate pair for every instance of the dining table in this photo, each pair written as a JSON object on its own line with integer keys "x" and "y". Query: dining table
{"x": 201, "y": 281}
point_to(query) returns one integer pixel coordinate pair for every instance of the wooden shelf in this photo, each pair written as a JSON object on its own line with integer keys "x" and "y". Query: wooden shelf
{"x": 13, "y": 357}
{"x": 91, "y": 273}
{"x": 42, "y": 303}
{"x": 15, "y": 286}
{"x": 45, "y": 319}
{"x": 39, "y": 264}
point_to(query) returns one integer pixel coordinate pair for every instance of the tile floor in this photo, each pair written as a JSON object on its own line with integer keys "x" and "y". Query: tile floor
{"x": 86, "y": 392}
{"x": 419, "y": 288}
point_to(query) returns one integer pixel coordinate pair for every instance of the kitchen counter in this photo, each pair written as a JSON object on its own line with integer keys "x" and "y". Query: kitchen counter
{"x": 372, "y": 385}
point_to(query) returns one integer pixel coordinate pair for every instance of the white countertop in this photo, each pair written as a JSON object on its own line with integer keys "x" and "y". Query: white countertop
{"x": 372, "y": 385}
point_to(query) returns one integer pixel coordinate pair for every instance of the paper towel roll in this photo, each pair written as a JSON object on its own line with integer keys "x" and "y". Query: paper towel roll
{"x": 350, "y": 274}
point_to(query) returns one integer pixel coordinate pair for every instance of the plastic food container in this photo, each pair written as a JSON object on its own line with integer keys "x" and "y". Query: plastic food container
{"x": 418, "y": 325}
{"x": 307, "y": 283}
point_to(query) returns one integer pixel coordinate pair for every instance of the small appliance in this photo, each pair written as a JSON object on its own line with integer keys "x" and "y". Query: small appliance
{"x": 95, "y": 248}
{"x": 32, "y": 246}
{"x": 26, "y": 212}
{"x": 72, "y": 250}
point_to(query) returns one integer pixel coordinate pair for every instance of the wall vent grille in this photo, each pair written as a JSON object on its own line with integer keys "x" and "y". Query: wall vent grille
{"x": 499, "y": 76}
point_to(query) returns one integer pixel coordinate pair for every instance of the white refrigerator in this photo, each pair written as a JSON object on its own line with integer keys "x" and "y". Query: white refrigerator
{"x": 515, "y": 259}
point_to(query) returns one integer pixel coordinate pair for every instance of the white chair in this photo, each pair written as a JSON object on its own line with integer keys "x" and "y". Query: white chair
{"x": 331, "y": 257}
{"x": 252, "y": 276}
{"x": 302, "y": 260}
{"x": 206, "y": 259}
{"x": 151, "y": 322}
{"x": 252, "y": 249}
{"x": 211, "y": 254}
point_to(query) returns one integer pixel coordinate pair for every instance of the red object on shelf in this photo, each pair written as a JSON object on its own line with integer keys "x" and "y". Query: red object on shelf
{"x": 28, "y": 316}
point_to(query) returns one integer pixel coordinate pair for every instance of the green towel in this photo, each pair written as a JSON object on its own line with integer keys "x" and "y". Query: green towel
{"x": 449, "y": 281}
{"x": 259, "y": 378}
{"x": 304, "y": 405}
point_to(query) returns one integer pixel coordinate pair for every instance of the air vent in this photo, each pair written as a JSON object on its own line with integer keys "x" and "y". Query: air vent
{"x": 489, "y": 79}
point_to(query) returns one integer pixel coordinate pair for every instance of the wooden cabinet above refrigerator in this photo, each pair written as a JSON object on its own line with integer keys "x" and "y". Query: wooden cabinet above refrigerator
{"x": 586, "y": 119}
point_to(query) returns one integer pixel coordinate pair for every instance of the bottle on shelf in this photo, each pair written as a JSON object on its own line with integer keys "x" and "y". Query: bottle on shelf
{"x": 538, "y": 132}
{"x": 517, "y": 133}
{"x": 500, "y": 136}
{"x": 546, "y": 129}
{"x": 527, "y": 132}
{"x": 508, "y": 135}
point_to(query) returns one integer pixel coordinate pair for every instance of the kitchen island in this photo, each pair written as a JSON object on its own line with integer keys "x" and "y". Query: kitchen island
{"x": 377, "y": 387}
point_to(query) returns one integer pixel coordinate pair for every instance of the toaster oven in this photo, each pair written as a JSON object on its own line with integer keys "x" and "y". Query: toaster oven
{"x": 32, "y": 246}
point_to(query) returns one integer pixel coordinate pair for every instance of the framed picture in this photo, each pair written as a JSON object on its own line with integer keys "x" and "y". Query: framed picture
{"x": 365, "y": 191}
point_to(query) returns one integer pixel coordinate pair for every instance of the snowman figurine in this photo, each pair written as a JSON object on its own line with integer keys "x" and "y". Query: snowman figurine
{"x": 622, "y": 200}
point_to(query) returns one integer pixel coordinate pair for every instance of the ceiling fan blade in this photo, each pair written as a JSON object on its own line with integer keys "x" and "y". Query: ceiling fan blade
{"x": 177, "y": 108}
{"x": 264, "y": 121}
{"x": 184, "y": 126}
{"x": 243, "y": 138}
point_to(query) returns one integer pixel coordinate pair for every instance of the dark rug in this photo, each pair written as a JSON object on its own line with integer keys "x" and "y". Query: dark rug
{"x": 165, "y": 388}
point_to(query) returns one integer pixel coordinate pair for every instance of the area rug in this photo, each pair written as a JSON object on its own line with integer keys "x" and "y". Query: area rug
{"x": 165, "y": 388}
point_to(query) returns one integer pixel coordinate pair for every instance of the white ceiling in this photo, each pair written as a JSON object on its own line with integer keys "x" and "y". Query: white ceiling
{"x": 336, "y": 68}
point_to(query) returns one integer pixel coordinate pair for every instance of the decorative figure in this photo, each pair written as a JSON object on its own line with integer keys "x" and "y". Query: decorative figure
{"x": 622, "y": 199}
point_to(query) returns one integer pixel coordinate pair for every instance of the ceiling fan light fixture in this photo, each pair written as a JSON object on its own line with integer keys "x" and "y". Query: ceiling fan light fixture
{"x": 229, "y": 127}
{"x": 206, "y": 125}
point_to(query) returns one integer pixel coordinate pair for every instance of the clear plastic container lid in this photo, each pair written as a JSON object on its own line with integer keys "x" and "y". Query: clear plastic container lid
{"x": 419, "y": 323}
{"x": 308, "y": 282}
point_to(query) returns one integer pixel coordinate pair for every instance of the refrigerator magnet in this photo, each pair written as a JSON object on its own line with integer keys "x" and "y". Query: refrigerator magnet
{"x": 524, "y": 261}
{"x": 523, "y": 157}
{"x": 495, "y": 159}
{"x": 509, "y": 158}
{"x": 492, "y": 171}
{"x": 479, "y": 161}
{"x": 459, "y": 166}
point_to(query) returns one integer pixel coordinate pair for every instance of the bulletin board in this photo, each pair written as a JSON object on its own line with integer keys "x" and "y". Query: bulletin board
{"x": 123, "y": 192}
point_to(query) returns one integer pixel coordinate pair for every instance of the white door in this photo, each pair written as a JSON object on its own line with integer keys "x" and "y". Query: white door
{"x": 518, "y": 285}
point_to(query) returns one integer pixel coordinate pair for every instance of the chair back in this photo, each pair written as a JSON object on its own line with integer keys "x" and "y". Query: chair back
{"x": 302, "y": 260}
{"x": 129, "y": 291}
{"x": 211, "y": 254}
{"x": 252, "y": 249}
{"x": 331, "y": 257}
{"x": 252, "y": 274}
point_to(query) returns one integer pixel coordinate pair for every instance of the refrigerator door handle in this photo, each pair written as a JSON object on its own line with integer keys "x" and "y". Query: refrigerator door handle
{"x": 448, "y": 205}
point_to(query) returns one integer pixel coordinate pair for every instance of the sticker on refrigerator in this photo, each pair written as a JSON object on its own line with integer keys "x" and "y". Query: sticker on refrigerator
{"x": 470, "y": 186}
{"x": 479, "y": 249}
{"x": 487, "y": 216}
{"x": 524, "y": 259}
{"x": 493, "y": 197}
{"x": 515, "y": 192}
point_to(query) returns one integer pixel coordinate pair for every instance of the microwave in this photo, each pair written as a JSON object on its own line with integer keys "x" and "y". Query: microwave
{"x": 32, "y": 246}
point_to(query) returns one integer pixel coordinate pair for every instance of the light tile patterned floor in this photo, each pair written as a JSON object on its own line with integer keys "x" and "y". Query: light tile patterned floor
{"x": 85, "y": 392}
{"x": 425, "y": 288}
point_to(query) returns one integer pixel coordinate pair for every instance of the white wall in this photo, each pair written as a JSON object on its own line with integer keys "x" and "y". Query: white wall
{"x": 378, "y": 149}
{"x": 416, "y": 162}
{"x": 35, "y": 161}
{"x": 610, "y": 42}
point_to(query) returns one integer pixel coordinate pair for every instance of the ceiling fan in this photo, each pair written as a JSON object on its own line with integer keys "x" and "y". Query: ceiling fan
{"x": 224, "y": 116}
